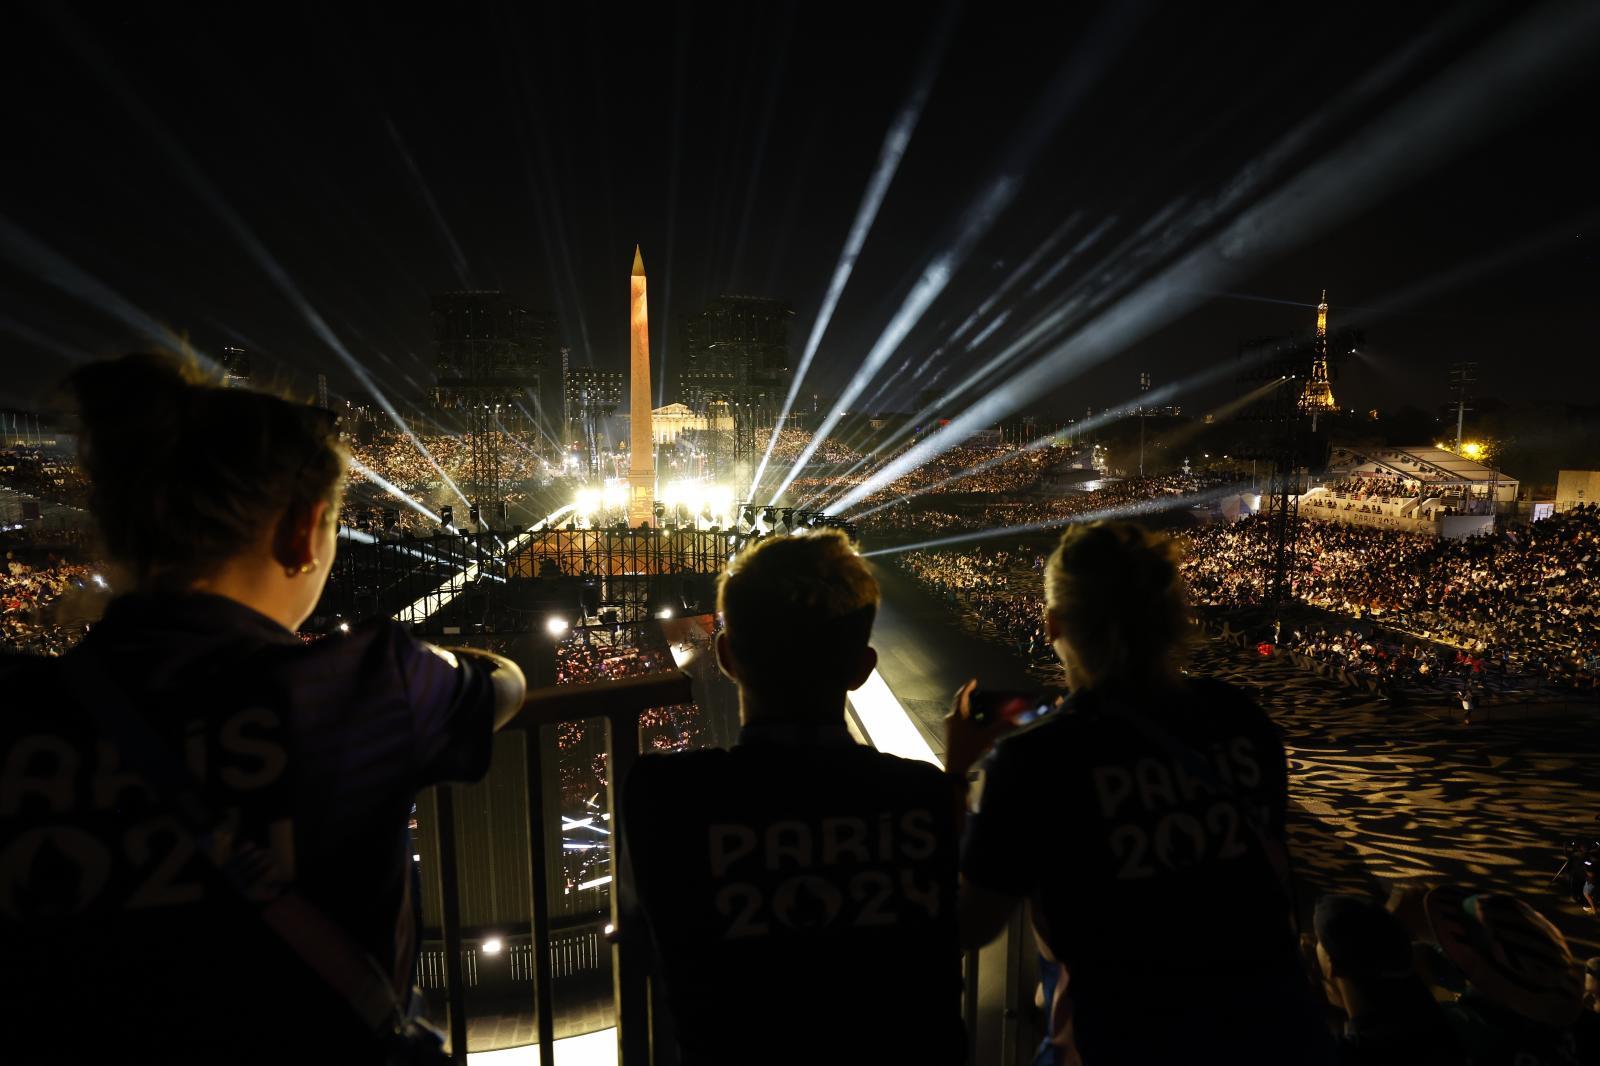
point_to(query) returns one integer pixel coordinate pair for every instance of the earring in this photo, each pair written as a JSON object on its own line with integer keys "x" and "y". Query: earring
{"x": 303, "y": 568}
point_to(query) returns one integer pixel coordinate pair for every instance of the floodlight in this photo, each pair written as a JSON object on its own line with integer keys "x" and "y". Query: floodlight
{"x": 555, "y": 625}
{"x": 493, "y": 946}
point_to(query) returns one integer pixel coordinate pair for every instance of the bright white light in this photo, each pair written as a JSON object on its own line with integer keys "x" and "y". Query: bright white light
{"x": 575, "y": 823}
{"x": 588, "y": 501}
{"x": 416, "y": 858}
{"x": 98, "y": 580}
{"x": 344, "y": 627}
{"x": 610, "y": 929}
{"x": 615, "y": 494}
{"x": 886, "y": 722}
{"x": 598, "y": 1048}
{"x": 555, "y": 625}
{"x": 596, "y": 883}
{"x": 664, "y": 613}
{"x": 493, "y": 946}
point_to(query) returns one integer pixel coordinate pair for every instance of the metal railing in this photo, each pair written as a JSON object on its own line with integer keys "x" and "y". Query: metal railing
{"x": 997, "y": 980}
{"x": 620, "y": 703}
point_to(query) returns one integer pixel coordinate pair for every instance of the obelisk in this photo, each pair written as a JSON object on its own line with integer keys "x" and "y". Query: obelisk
{"x": 642, "y": 458}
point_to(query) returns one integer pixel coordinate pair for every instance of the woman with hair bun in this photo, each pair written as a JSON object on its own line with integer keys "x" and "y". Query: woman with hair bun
{"x": 204, "y": 842}
{"x": 1143, "y": 821}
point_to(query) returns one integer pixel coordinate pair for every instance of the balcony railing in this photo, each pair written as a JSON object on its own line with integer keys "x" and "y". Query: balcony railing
{"x": 998, "y": 980}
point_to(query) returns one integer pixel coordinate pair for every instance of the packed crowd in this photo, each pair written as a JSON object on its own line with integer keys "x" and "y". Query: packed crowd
{"x": 1383, "y": 488}
{"x": 907, "y": 517}
{"x": 392, "y": 456}
{"x": 26, "y": 593}
{"x": 1005, "y": 469}
{"x": 1398, "y": 666}
{"x": 1525, "y": 597}
{"x": 44, "y": 473}
{"x": 792, "y": 442}
{"x": 998, "y": 592}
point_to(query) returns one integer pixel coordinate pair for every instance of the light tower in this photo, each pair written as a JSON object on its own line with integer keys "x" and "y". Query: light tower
{"x": 642, "y": 458}
{"x": 1318, "y": 394}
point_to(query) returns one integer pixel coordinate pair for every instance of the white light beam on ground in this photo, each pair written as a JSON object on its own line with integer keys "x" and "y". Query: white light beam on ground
{"x": 885, "y": 722}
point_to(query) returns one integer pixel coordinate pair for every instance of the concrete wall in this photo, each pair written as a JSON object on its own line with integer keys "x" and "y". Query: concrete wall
{"x": 1460, "y": 526}
{"x": 1576, "y": 487}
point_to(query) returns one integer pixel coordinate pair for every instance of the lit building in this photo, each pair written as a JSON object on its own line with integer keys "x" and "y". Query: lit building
{"x": 669, "y": 422}
{"x": 736, "y": 349}
{"x": 490, "y": 369}
{"x": 487, "y": 340}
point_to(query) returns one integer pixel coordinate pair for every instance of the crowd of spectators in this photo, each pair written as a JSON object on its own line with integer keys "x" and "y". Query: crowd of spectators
{"x": 1005, "y": 469}
{"x": 1398, "y": 666}
{"x": 45, "y": 473}
{"x": 393, "y": 456}
{"x": 1045, "y": 510}
{"x": 1381, "y": 488}
{"x": 792, "y": 442}
{"x": 27, "y": 593}
{"x": 1525, "y": 597}
{"x": 998, "y": 592}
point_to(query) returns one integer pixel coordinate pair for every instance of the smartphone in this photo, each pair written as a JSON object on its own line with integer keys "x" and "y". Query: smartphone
{"x": 1017, "y": 708}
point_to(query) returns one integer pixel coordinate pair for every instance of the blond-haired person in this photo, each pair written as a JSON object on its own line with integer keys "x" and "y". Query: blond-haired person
{"x": 1143, "y": 821}
{"x": 799, "y": 887}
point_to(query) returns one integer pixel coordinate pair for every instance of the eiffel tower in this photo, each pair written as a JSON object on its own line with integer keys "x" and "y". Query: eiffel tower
{"x": 1318, "y": 394}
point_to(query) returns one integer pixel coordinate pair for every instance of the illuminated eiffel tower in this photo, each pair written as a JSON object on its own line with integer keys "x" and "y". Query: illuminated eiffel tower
{"x": 1318, "y": 394}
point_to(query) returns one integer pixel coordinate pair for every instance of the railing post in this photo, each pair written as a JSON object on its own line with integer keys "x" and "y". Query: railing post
{"x": 629, "y": 978}
{"x": 544, "y": 1011}
{"x": 444, "y": 812}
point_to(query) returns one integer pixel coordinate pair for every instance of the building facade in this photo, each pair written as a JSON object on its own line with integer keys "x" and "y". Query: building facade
{"x": 736, "y": 349}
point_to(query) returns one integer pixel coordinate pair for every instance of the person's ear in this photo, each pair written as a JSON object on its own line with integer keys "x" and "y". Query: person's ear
{"x": 864, "y": 667}
{"x": 294, "y": 543}
{"x": 725, "y": 660}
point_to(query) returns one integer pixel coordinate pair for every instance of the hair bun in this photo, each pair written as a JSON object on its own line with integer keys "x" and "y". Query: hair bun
{"x": 136, "y": 402}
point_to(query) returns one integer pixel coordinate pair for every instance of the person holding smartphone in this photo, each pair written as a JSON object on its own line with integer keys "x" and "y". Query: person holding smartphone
{"x": 1144, "y": 824}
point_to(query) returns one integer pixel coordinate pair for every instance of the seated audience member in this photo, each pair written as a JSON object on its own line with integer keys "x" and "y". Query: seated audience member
{"x": 799, "y": 887}
{"x": 1370, "y": 972}
{"x": 1144, "y": 821}
{"x": 193, "y": 754}
{"x": 1523, "y": 991}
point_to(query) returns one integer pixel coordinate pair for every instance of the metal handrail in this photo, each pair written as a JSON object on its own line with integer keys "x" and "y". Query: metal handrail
{"x": 621, "y": 703}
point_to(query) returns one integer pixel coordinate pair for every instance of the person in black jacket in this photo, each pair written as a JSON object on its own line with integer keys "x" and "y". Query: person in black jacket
{"x": 799, "y": 888}
{"x": 120, "y": 937}
{"x": 1144, "y": 822}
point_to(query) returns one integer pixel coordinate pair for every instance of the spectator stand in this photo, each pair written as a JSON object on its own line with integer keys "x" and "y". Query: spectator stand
{"x": 1415, "y": 489}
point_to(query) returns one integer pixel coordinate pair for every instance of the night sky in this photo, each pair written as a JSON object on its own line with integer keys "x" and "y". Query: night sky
{"x": 203, "y": 166}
